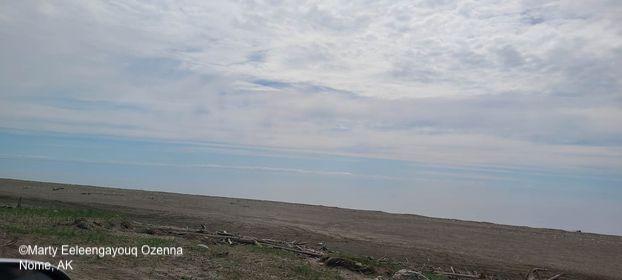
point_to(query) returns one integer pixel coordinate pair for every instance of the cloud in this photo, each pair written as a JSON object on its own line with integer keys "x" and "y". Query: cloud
{"x": 254, "y": 168}
{"x": 518, "y": 83}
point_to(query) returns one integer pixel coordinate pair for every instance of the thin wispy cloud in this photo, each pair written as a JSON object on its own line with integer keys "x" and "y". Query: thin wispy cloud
{"x": 205, "y": 165}
{"x": 519, "y": 83}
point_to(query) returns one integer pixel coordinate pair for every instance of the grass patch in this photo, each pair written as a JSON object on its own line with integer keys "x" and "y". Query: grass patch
{"x": 433, "y": 276}
{"x": 156, "y": 241}
{"x": 57, "y": 213}
{"x": 56, "y": 224}
{"x": 386, "y": 267}
{"x": 62, "y": 234}
{"x": 307, "y": 272}
{"x": 272, "y": 251}
{"x": 254, "y": 262}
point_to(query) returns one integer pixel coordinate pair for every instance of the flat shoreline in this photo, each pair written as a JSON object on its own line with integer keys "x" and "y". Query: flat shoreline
{"x": 435, "y": 241}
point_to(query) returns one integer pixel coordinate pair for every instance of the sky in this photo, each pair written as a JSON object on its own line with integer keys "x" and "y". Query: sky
{"x": 503, "y": 112}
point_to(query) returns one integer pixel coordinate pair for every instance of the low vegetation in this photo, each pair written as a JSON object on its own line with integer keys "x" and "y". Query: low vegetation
{"x": 57, "y": 226}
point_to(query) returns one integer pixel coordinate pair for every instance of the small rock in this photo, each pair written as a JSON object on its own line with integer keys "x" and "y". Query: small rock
{"x": 406, "y": 274}
{"x": 82, "y": 223}
{"x": 203, "y": 246}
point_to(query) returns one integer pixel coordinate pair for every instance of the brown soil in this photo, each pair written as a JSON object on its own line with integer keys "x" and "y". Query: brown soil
{"x": 507, "y": 251}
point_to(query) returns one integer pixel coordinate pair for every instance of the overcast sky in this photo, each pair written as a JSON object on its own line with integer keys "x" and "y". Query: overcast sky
{"x": 525, "y": 85}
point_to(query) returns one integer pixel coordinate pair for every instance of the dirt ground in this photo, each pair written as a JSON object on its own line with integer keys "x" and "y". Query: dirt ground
{"x": 507, "y": 251}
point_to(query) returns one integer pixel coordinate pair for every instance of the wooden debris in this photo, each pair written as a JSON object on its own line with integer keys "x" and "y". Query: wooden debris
{"x": 232, "y": 239}
{"x": 11, "y": 242}
{"x": 322, "y": 252}
{"x": 534, "y": 275}
{"x": 461, "y": 275}
{"x": 347, "y": 264}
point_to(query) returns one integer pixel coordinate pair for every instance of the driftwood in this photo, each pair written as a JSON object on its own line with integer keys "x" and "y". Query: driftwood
{"x": 349, "y": 264}
{"x": 9, "y": 243}
{"x": 230, "y": 238}
{"x": 300, "y": 251}
{"x": 300, "y": 248}
{"x": 460, "y": 275}
{"x": 533, "y": 275}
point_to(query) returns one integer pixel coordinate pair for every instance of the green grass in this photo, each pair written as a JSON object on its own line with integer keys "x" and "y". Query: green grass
{"x": 57, "y": 213}
{"x": 55, "y": 224}
{"x": 254, "y": 262}
{"x": 381, "y": 267}
{"x": 272, "y": 251}
{"x": 307, "y": 272}
{"x": 62, "y": 235}
{"x": 433, "y": 276}
{"x": 156, "y": 241}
